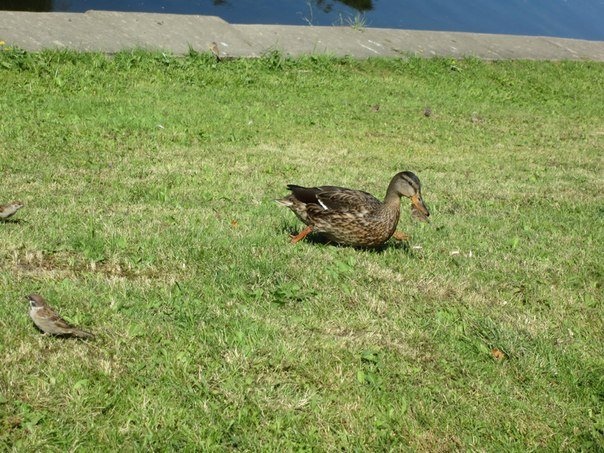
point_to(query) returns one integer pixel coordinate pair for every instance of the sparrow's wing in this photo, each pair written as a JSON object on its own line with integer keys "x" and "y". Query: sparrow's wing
{"x": 52, "y": 316}
{"x": 60, "y": 326}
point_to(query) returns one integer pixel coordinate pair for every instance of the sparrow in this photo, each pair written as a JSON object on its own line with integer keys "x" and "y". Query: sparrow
{"x": 418, "y": 215}
{"x": 476, "y": 118}
{"x": 8, "y": 210}
{"x": 49, "y": 321}
{"x": 215, "y": 51}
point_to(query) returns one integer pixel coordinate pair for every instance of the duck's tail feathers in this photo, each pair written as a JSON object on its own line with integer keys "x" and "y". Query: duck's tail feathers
{"x": 285, "y": 201}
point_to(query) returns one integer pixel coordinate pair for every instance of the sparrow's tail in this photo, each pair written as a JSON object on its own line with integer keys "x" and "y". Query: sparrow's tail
{"x": 81, "y": 333}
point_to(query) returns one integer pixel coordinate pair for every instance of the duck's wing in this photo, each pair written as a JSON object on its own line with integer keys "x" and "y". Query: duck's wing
{"x": 346, "y": 200}
{"x": 305, "y": 194}
{"x": 334, "y": 198}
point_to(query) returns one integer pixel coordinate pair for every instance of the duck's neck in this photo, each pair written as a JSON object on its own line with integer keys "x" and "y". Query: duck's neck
{"x": 392, "y": 198}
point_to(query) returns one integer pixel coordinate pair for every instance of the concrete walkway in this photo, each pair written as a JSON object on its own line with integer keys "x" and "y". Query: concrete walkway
{"x": 108, "y": 31}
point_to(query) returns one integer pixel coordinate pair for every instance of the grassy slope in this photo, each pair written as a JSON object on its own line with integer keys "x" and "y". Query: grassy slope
{"x": 149, "y": 183}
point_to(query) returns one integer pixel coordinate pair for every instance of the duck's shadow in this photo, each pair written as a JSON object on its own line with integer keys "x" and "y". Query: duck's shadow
{"x": 318, "y": 238}
{"x": 17, "y": 221}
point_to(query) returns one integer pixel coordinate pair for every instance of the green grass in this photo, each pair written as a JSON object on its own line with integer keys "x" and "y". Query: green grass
{"x": 149, "y": 183}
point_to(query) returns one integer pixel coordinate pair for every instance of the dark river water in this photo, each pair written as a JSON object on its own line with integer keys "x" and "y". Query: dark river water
{"x": 565, "y": 18}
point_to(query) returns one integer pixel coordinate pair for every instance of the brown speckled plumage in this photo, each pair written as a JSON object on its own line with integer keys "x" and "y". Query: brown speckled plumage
{"x": 353, "y": 217}
{"x": 9, "y": 209}
{"x": 49, "y": 321}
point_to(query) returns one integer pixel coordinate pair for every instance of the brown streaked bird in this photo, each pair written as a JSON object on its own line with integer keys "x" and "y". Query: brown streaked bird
{"x": 215, "y": 51}
{"x": 9, "y": 209}
{"x": 418, "y": 215}
{"x": 49, "y": 321}
{"x": 353, "y": 217}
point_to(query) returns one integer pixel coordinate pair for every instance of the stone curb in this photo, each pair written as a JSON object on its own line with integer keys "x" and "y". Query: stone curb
{"x": 108, "y": 31}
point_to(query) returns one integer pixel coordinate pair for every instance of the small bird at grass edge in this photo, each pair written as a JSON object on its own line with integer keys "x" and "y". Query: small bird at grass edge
{"x": 49, "y": 321}
{"x": 7, "y": 210}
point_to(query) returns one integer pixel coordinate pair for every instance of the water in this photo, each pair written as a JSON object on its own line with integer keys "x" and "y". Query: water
{"x": 582, "y": 19}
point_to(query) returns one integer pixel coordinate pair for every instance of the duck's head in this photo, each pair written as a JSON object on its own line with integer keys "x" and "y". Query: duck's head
{"x": 406, "y": 184}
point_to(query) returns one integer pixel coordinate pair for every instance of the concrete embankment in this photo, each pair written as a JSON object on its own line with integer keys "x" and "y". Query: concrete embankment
{"x": 108, "y": 31}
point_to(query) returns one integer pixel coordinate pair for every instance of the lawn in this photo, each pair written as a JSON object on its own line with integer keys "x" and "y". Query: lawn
{"x": 148, "y": 182}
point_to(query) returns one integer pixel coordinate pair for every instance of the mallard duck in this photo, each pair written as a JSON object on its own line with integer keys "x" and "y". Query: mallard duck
{"x": 353, "y": 217}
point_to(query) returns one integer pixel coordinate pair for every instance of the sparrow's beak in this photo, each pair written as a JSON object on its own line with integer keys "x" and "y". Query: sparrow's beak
{"x": 419, "y": 204}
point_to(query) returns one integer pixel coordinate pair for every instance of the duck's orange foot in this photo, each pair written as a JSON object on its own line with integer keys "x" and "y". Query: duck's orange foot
{"x": 301, "y": 235}
{"x": 400, "y": 236}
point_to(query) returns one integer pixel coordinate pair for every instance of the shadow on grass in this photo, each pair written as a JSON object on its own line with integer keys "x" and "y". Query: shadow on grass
{"x": 62, "y": 336}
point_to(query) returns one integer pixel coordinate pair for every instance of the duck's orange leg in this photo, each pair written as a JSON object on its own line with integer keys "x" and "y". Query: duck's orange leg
{"x": 301, "y": 235}
{"x": 400, "y": 236}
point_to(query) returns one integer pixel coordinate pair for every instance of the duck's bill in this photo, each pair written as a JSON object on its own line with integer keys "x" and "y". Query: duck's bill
{"x": 418, "y": 203}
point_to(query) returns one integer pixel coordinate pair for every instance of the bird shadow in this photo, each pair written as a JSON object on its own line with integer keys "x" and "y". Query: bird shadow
{"x": 17, "y": 221}
{"x": 65, "y": 336}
